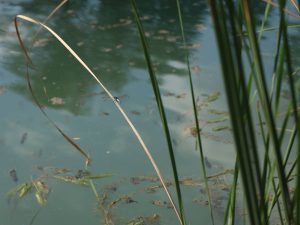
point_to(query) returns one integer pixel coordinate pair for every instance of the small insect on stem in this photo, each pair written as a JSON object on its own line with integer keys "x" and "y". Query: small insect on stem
{"x": 117, "y": 99}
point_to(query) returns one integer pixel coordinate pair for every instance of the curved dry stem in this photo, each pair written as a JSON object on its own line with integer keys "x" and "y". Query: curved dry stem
{"x": 138, "y": 136}
{"x": 47, "y": 19}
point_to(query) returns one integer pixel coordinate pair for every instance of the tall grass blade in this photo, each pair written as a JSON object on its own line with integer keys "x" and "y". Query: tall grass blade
{"x": 284, "y": 124}
{"x": 266, "y": 163}
{"x": 288, "y": 61}
{"x": 229, "y": 217}
{"x": 231, "y": 59}
{"x": 160, "y": 107}
{"x": 268, "y": 113}
{"x": 278, "y": 72}
{"x": 195, "y": 112}
{"x": 294, "y": 102}
{"x": 266, "y": 15}
{"x": 284, "y": 9}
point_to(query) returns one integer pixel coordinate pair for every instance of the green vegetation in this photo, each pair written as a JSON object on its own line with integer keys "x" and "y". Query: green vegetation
{"x": 267, "y": 168}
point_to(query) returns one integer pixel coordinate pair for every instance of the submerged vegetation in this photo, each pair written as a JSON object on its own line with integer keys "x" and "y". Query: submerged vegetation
{"x": 263, "y": 187}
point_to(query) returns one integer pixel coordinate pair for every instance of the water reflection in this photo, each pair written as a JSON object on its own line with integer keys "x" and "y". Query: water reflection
{"x": 106, "y": 38}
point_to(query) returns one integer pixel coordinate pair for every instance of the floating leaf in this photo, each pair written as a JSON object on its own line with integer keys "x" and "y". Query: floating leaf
{"x": 16, "y": 189}
{"x": 60, "y": 170}
{"x": 163, "y": 32}
{"x": 82, "y": 173}
{"x": 137, "y": 221}
{"x": 79, "y": 44}
{"x": 57, "y": 101}
{"x": 192, "y": 46}
{"x": 141, "y": 220}
{"x": 135, "y": 112}
{"x": 22, "y": 189}
{"x": 217, "y": 112}
{"x": 72, "y": 179}
{"x": 188, "y": 181}
{"x": 111, "y": 188}
{"x": 26, "y": 187}
{"x": 98, "y": 176}
{"x": 41, "y": 191}
{"x": 40, "y": 197}
{"x": 171, "y": 39}
{"x": 114, "y": 203}
{"x": 220, "y": 128}
{"x": 193, "y": 131}
{"x": 218, "y": 120}
{"x": 138, "y": 179}
{"x": 201, "y": 201}
{"x": 181, "y": 95}
{"x": 158, "y": 203}
{"x": 41, "y": 42}
{"x": 128, "y": 199}
{"x": 152, "y": 219}
{"x": 106, "y": 49}
{"x": 200, "y": 27}
{"x": 104, "y": 113}
{"x": 213, "y": 96}
{"x": 82, "y": 178}
{"x": 216, "y": 138}
{"x": 41, "y": 187}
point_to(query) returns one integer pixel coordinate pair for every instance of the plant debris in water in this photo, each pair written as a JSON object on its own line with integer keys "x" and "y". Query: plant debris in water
{"x": 40, "y": 186}
{"x": 144, "y": 220}
{"x": 57, "y": 101}
{"x": 220, "y": 128}
{"x": 213, "y": 96}
{"x": 21, "y": 190}
{"x": 23, "y": 139}
{"x": 139, "y": 179}
{"x": 218, "y": 120}
{"x": 217, "y": 112}
{"x": 82, "y": 177}
{"x": 107, "y": 203}
{"x": 42, "y": 191}
{"x": 161, "y": 203}
{"x": 104, "y": 113}
{"x": 135, "y": 112}
{"x": 13, "y": 175}
{"x": 193, "y": 131}
{"x": 203, "y": 103}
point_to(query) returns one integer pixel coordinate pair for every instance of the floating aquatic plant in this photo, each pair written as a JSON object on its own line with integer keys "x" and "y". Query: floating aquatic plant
{"x": 41, "y": 189}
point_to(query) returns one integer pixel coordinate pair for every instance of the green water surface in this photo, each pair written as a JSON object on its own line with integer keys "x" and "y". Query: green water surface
{"x": 105, "y": 36}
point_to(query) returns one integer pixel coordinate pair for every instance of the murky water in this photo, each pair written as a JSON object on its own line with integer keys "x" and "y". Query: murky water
{"x": 104, "y": 34}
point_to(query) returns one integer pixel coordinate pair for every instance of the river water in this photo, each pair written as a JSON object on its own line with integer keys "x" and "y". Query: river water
{"x": 105, "y": 36}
